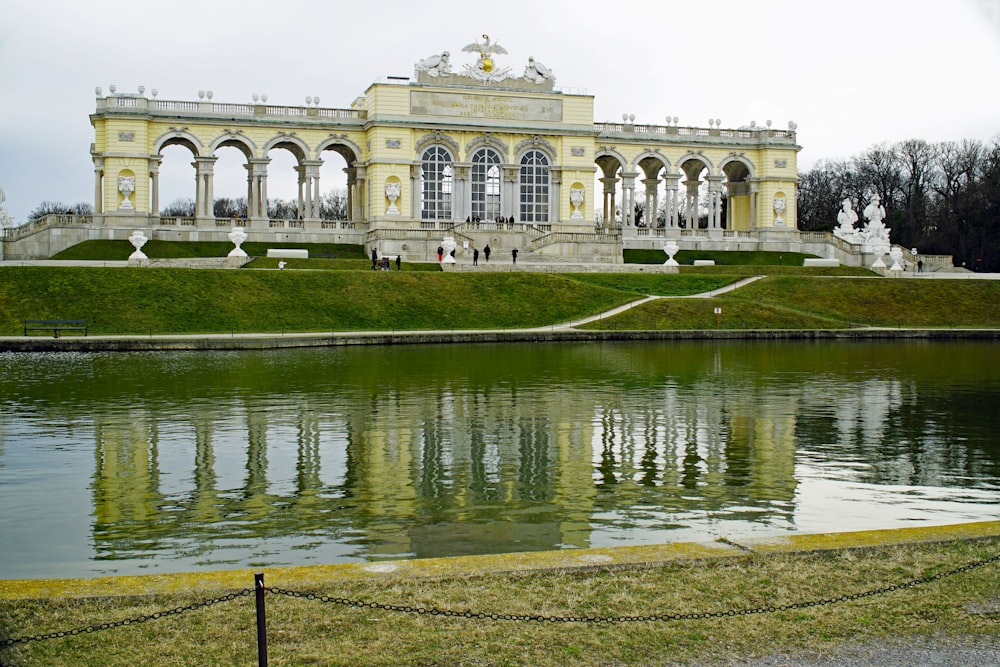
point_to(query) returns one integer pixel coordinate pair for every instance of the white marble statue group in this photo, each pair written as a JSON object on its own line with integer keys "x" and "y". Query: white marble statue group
{"x": 5, "y": 219}
{"x": 484, "y": 69}
{"x": 874, "y": 233}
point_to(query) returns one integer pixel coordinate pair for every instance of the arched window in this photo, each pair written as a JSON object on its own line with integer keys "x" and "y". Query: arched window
{"x": 486, "y": 184}
{"x": 436, "y": 176}
{"x": 534, "y": 183}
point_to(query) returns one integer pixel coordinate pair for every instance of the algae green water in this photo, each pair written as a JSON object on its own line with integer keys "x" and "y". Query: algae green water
{"x": 161, "y": 462}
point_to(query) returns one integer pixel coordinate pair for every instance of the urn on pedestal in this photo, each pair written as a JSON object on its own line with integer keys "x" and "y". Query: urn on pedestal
{"x": 138, "y": 239}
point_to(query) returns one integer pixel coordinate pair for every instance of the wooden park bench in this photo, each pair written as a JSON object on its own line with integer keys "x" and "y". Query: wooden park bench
{"x": 55, "y": 326}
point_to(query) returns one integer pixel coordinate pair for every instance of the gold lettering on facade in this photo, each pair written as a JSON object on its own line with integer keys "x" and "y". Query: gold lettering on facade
{"x": 485, "y": 106}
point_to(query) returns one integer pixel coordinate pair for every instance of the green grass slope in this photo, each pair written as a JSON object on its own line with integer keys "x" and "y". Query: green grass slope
{"x": 141, "y": 301}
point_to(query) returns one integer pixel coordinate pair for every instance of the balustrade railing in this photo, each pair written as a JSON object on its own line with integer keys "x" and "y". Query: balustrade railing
{"x": 137, "y": 103}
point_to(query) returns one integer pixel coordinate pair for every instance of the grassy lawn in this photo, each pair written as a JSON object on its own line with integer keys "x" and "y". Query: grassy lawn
{"x": 722, "y": 258}
{"x": 660, "y": 284}
{"x": 145, "y": 301}
{"x": 683, "y": 314}
{"x": 799, "y": 302}
{"x": 881, "y": 303}
{"x": 354, "y": 298}
{"x": 317, "y": 632}
{"x": 157, "y": 249}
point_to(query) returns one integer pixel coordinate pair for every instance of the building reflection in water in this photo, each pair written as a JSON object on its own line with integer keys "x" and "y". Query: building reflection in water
{"x": 631, "y": 445}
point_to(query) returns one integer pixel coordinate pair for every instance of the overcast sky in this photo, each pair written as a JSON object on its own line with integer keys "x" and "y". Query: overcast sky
{"x": 850, "y": 73}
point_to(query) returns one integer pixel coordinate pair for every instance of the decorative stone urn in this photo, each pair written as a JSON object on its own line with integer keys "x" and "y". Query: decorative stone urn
{"x": 392, "y": 191}
{"x": 671, "y": 248}
{"x": 576, "y": 200}
{"x": 897, "y": 258}
{"x": 779, "y": 208}
{"x": 138, "y": 239}
{"x": 237, "y": 236}
{"x": 449, "y": 245}
{"x": 126, "y": 186}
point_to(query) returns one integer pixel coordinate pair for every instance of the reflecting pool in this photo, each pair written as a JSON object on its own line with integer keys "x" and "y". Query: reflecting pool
{"x": 126, "y": 463}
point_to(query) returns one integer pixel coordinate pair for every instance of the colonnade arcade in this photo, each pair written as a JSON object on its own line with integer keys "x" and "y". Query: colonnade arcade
{"x": 308, "y": 163}
{"x": 680, "y": 195}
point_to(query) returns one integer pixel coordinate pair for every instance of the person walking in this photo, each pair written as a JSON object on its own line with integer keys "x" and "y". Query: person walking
{"x": 475, "y": 256}
{"x": 399, "y": 261}
{"x": 440, "y": 254}
{"x": 486, "y": 251}
{"x": 374, "y": 258}
{"x": 513, "y": 255}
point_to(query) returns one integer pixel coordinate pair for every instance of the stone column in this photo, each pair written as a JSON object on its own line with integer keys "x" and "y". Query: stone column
{"x": 628, "y": 198}
{"x": 652, "y": 201}
{"x": 300, "y": 198}
{"x": 609, "y": 202}
{"x": 671, "y": 182}
{"x": 415, "y": 186}
{"x": 310, "y": 169}
{"x": 257, "y": 190}
{"x": 509, "y": 198}
{"x": 98, "y": 185}
{"x": 555, "y": 195}
{"x": 461, "y": 192}
{"x": 361, "y": 200}
{"x": 204, "y": 168}
{"x": 715, "y": 202}
{"x": 754, "y": 185}
{"x": 691, "y": 204}
{"x": 351, "y": 185}
{"x": 154, "y": 185}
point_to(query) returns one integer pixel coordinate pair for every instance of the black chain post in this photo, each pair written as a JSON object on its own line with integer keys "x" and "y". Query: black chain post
{"x": 258, "y": 584}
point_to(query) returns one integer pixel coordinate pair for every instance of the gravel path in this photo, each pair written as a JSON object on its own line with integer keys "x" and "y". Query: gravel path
{"x": 922, "y": 652}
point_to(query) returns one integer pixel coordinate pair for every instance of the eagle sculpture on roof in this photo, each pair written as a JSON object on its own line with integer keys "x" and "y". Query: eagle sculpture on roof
{"x": 486, "y": 51}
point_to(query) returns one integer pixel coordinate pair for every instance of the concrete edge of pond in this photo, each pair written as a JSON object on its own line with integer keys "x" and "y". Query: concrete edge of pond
{"x": 268, "y": 341}
{"x": 459, "y": 566}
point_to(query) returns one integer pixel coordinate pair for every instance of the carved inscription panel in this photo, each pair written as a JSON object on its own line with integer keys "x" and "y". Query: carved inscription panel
{"x": 470, "y": 105}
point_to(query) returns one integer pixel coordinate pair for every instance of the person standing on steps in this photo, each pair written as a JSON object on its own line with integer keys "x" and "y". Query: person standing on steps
{"x": 486, "y": 251}
{"x": 513, "y": 255}
{"x": 475, "y": 256}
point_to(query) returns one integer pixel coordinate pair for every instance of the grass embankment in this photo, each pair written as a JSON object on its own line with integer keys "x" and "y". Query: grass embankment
{"x": 720, "y": 257}
{"x": 312, "y": 632}
{"x": 140, "y": 301}
{"x": 105, "y": 250}
{"x": 799, "y": 302}
{"x": 163, "y": 301}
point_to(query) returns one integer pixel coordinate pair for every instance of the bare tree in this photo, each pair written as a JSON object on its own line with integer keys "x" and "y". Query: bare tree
{"x": 333, "y": 205}
{"x": 179, "y": 208}
{"x": 50, "y": 207}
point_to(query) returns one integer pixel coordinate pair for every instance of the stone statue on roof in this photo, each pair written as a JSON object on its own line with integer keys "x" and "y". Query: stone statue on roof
{"x": 485, "y": 69}
{"x": 536, "y": 72}
{"x": 436, "y": 65}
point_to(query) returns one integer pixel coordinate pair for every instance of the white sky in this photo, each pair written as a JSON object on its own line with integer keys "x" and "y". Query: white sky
{"x": 851, "y": 73}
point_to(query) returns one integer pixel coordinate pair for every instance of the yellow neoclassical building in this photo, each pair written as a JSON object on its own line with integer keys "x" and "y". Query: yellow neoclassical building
{"x": 488, "y": 152}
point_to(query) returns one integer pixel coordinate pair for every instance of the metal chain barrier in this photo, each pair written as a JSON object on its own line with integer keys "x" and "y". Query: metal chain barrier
{"x": 5, "y": 643}
{"x": 431, "y": 611}
{"x": 259, "y": 590}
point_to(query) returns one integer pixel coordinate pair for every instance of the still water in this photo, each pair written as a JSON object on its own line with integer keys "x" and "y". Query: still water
{"x": 159, "y": 462}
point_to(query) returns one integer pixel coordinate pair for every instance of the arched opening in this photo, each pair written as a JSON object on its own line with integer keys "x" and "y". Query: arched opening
{"x": 534, "y": 186}
{"x": 333, "y": 173}
{"x": 230, "y": 182}
{"x": 287, "y": 184}
{"x": 175, "y": 190}
{"x": 486, "y": 181}
{"x": 608, "y": 181}
{"x": 738, "y": 210}
{"x": 697, "y": 208}
{"x": 437, "y": 184}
